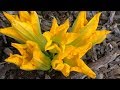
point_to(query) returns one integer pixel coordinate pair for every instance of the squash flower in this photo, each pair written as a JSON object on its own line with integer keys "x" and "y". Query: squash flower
{"x": 25, "y": 26}
{"x": 87, "y": 36}
{"x": 88, "y": 30}
{"x": 71, "y": 60}
{"x": 31, "y": 58}
{"x": 58, "y": 37}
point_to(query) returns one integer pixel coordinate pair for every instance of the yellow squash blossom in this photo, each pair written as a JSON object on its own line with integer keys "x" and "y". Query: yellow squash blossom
{"x": 67, "y": 65}
{"x": 70, "y": 61}
{"x": 87, "y": 36}
{"x": 31, "y": 57}
{"x": 24, "y": 27}
{"x": 58, "y": 37}
{"x": 88, "y": 30}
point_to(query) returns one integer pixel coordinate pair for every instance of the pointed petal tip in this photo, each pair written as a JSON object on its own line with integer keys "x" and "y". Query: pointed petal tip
{"x": 93, "y": 75}
{"x": 4, "y": 12}
{"x": 108, "y": 32}
{"x": 13, "y": 44}
{"x": 32, "y": 11}
{"x": 82, "y": 12}
{"x": 67, "y": 22}
{"x": 98, "y": 14}
{"x": 54, "y": 20}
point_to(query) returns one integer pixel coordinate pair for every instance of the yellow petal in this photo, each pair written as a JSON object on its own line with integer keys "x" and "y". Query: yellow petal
{"x": 63, "y": 27}
{"x": 80, "y": 21}
{"x": 21, "y": 48}
{"x": 54, "y": 48}
{"x": 35, "y": 22}
{"x": 60, "y": 65}
{"x": 35, "y": 64}
{"x": 25, "y": 52}
{"x": 66, "y": 70}
{"x": 24, "y": 16}
{"x": 16, "y": 17}
{"x": 61, "y": 31}
{"x": 58, "y": 38}
{"x": 85, "y": 69}
{"x": 15, "y": 59}
{"x": 70, "y": 37}
{"x": 54, "y": 26}
{"x": 91, "y": 27}
{"x": 28, "y": 67}
{"x": 24, "y": 29}
{"x": 68, "y": 49}
{"x": 57, "y": 64}
{"x": 82, "y": 50}
{"x": 9, "y": 16}
{"x": 47, "y": 35}
{"x": 48, "y": 45}
{"x": 71, "y": 62}
{"x": 11, "y": 32}
{"x": 99, "y": 36}
{"x": 78, "y": 65}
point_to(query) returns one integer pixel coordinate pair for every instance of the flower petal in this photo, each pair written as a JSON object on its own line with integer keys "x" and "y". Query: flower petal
{"x": 57, "y": 64}
{"x": 70, "y": 50}
{"x": 24, "y": 16}
{"x": 21, "y": 48}
{"x": 11, "y": 32}
{"x": 80, "y": 22}
{"x": 35, "y": 22}
{"x": 47, "y": 35}
{"x": 28, "y": 67}
{"x": 82, "y": 50}
{"x": 99, "y": 36}
{"x": 66, "y": 70}
{"x": 85, "y": 69}
{"x": 91, "y": 27}
{"x": 70, "y": 37}
{"x": 63, "y": 27}
{"x": 15, "y": 59}
{"x": 78, "y": 65}
{"x": 11, "y": 17}
{"x": 54, "y": 26}
{"x": 36, "y": 64}
{"x": 24, "y": 29}
{"x": 60, "y": 32}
